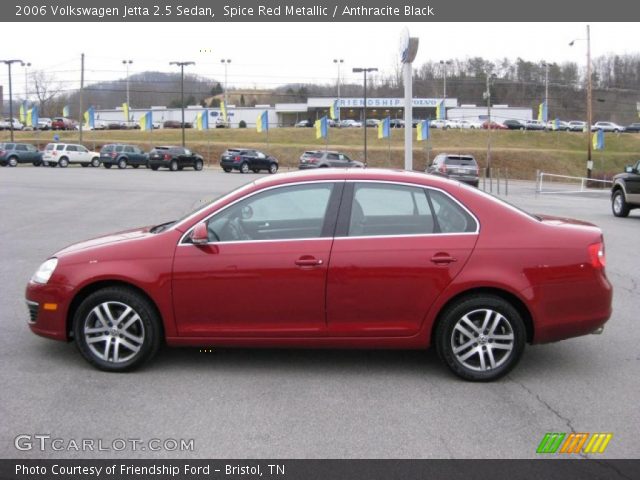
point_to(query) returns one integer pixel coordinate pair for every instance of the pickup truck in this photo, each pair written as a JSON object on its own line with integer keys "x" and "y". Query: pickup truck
{"x": 625, "y": 192}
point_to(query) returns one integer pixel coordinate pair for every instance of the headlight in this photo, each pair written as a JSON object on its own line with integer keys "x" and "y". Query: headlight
{"x": 44, "y": 272}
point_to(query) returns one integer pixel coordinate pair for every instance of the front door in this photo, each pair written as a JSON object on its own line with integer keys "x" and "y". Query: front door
{"x": 400, "y": 247}
{"x": 264, "y": 271}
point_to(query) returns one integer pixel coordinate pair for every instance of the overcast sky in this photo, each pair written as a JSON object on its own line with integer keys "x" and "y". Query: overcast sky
{"x": 271, "y": 54}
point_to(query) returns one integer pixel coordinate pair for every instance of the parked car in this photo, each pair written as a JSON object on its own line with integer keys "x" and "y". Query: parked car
{"x": 463, "y": 168}
{"x": 441, "y": 124}
{"x": 632, "y": 128}
{"x": 607, "y": 127}
{"x": 514, "y": 124}
{"x": 326, "y": 159}
{"x": 331, "y": 122}
{"x": 396, "y": 123}
{"x": 337, "y": 259}
{"x": 14, "y": 153}
{"x": 534, "y": 125}
{"x": 247, "y": 159}
{"x": 625, "y": 192}
{"x": 350, "y": 123}
{"x": 562, "y": 126}
{"x": 577, "y": 126}
{"x": 62, "y": 123}
{"x": 373, "y": 122}
{"x": 174, "y": 124}
{"x": 44, "y": 123}
{"x": 5, "y": 124}
{"x": 493, "y": 126}
{"x": 304, "y": 124}
{"x": 470, "y": 124}
{"x": 130, "y": 126}
{"x": 63, "y": 154}
{"x": 174, "y": 158}
{"x": 122, "y": 156}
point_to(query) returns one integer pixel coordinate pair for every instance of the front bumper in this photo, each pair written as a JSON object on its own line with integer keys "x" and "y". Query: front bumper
{"x": 48, "y": 306}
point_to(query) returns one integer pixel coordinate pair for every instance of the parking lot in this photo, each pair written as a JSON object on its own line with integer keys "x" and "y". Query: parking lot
{"x": 294, "y": 403}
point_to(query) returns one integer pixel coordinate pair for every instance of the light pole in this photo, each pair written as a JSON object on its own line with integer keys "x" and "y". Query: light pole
{"x": 338, "y": 62}
{"x": 226, "y": 63}
{"x": 364, "y": 111}
{"x": 26, "y": 72}
{"x": 487, "y": 95}
{"x": 589, "y": 98}
{"x": 126, "y": 63}
{"x": 546, "y": 87}
{"x": 182, "y": 65}
{"x": 444, "y": 77}
{"x": 9, "y": 63}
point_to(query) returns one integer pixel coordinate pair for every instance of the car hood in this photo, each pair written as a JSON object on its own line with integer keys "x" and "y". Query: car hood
{"x": 118, "y": 237}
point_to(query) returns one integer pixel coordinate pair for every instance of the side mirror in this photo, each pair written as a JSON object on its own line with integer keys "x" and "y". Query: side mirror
{"x": 628, "y": 169}
{"x": 200, "y": 234}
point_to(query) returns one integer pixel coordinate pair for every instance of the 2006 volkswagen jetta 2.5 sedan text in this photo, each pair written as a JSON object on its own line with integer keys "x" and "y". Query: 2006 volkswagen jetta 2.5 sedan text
{"x": 333, "y": 258}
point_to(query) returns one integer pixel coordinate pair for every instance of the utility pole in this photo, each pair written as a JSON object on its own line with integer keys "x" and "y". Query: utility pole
{"x": 81, "y": 89}
{"x": 9, "y": 63}
{"x": 444, "y": 78}
{"x": 338, "y": 62}
{"x": 182, "y": 65}
{"x": 126, "y": 64}
{"x": 26, "y": 84}
{"x": 487, "y": 95}
{"x": 226, "y": 63}
{"x": 589, "y": 103}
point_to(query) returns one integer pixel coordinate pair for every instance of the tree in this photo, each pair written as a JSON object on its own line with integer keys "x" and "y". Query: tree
{"x": 242, "y": 100}
{"x": 216, "y": 90}
{"x": 47, "y": 88}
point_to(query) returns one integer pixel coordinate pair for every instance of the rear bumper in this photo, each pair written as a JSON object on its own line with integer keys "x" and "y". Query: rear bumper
{"x": 230, "y": 164}
{"x": 307, "y": 166}
{"x": 158, "y": 163}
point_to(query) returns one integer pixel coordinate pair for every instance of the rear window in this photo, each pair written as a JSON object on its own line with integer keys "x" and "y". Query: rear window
{"x": 49, "y": 146}
{"x": 107, "y": 149}
{"x": 461, "y": 161}
{"x": 9, "y": 146}
{"x": 313, "y": 154}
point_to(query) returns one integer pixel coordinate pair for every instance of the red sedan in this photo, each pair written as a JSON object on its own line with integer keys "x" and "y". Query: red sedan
{"x": 339, "y": 259}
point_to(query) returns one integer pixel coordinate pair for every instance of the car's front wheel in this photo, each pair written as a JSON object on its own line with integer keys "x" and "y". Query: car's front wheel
{"x": 198, "y": 165}
{"x": 480, "y": 337}
{"x": 619, "y": 204}
{"x": 227, "y": 170}
{"x": 117, "y": 329}
{"x": 273, "y": 168}
{"x": 173, "y": 166}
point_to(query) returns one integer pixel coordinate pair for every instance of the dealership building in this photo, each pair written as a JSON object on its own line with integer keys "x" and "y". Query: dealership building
{"x": 288, "y": 114}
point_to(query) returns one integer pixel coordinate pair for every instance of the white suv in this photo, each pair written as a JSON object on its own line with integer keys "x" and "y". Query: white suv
{"x": 65, "y": 153}
{"x": 607, "y": 127}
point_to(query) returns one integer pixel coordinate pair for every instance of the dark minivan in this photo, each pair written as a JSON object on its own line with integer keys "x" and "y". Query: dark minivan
{"x": 122, "y": 156}
{"x": 463, "y": 168}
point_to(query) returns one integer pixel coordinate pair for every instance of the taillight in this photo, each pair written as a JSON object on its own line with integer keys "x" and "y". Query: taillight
{"x": 1, "y": 153}
{"x": 313, "y": 160}
{"x": 597, "y": 255}
{"x": 167, "y": 156}
{"x": 113, "y": 155}
{"x": 236, "y": 158}
{"x": 443, "y": 168}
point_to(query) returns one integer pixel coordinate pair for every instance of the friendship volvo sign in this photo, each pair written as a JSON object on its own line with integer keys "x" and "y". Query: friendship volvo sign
{"x": 382, "y": 102}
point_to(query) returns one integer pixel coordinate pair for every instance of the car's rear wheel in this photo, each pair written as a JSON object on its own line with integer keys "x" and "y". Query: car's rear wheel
{"x": 227, "y": 170}
{"x": 135, "y": 166}
{"x": 117, "y": 329}
{"x": 13, "y": 162}
{"x": 84, "y": 165}
{"x": 480, "y": 337}
{"x": 619, "y": 204}
{"x": 37, "y": 163}
{"x": 154, "y": 168}
{"x": 106, "y": 165}
{"x": 122, "y": 164}
{"x": 273, "y": 168}
{"x": 255, "y": 170}
{"x": 173, "y": 166}
{"x": 95, "y": 162}
{"x": 244, "y": 168}
{"x": 63, "y": 162}
{"x": 198, "y": 165}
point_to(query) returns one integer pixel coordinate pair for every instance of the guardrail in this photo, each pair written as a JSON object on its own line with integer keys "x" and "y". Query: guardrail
{"x": 566, "y": 184}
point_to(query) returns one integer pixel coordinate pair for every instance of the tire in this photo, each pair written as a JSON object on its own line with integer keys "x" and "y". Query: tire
{"x": 227, "y": 170}
{"x": 96, "y": 318}
{"x": 619, "y": 205}
{"x": 255, "y": 170}
{"x": 84, "y": 165}
{"x": 63, "y": 162}
{"x": 273, "y": 168}
{"x": 469, "y": 325}
{"x": 106, "y": 165}
{"x": 244, "y": 168}
{"x": 154, "y": 168}
{"x": 13, "y": 162}
{"x": 173, "y": 166}
{"x": 198, "y": 165}
{"x": 122, "y": 164}
{"x": 37, "y": 163}
{"x": 95, "y": 162}
{"x": 136, "y": 166}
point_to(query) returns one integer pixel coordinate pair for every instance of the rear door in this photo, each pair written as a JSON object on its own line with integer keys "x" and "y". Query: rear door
{"x": 397, "y": 247}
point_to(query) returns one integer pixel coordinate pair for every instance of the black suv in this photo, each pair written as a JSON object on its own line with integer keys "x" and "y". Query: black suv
{"x": 246, "y": 160}
{"x": 174, "y": 158}
{"x": 463, "y": 168}
{"x": 122, "y": 155}
{"x": 625, "y": 193}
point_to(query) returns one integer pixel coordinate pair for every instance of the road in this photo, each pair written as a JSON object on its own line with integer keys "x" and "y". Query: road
{"x": 293, "y": 403}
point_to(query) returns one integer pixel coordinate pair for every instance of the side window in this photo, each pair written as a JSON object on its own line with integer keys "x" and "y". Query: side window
{"x": 452, "y": 218}
{"x": 31, "y": 148}
{"x": 332, "y": 156}
{"x": 82, "y": 149}
{"x": 21, "y": 148}
{"x": 72, "y": 148}
{"x": 293, "y": 212}
{"x": 380, "y": 209}
{"x": 128, "y": 149}
{"x": 59, "y": 147}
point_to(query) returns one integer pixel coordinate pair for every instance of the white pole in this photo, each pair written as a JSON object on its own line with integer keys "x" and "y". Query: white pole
{"x": 407, "y": 72}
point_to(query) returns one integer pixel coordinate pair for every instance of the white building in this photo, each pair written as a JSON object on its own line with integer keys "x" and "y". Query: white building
{"x": 499, "y": 113}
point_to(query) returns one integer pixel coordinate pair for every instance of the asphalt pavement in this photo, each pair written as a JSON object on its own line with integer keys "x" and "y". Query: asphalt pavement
{"x": 292, "y": 403}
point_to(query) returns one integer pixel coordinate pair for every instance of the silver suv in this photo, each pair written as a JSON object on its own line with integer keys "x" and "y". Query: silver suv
{"x": 326, "y": 159}
{"x": 463, "y": 168}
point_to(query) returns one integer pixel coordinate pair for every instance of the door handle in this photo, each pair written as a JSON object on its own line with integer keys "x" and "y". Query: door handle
{"x": 308, "y": 261}
{"x": 443, "y": 259}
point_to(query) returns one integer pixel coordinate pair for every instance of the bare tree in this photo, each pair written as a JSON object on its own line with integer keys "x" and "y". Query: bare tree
{"x": 47, "y": 88}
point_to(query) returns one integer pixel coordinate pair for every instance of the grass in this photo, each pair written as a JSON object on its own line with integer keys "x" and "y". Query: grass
{"x": 520, "y": 153}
